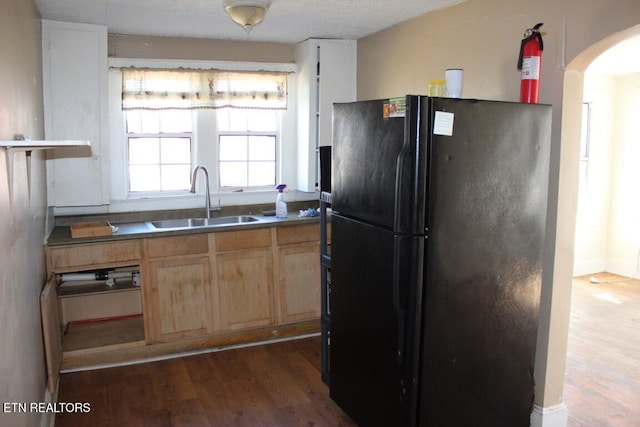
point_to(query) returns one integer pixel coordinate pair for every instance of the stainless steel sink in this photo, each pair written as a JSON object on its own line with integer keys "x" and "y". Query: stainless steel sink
{"x": 203, "y": 222}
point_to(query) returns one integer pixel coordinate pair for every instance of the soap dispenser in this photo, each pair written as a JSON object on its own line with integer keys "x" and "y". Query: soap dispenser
{"x": 281, "y": 205}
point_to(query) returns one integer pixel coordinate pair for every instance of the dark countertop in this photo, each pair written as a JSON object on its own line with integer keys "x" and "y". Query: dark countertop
{"x": 61, "y": 235}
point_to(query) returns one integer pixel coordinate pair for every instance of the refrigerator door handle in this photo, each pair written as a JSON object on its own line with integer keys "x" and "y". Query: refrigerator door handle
{"x": 397, "y": 300}
{"x": 410, "y": 181}
{"x": 398, "y": 226}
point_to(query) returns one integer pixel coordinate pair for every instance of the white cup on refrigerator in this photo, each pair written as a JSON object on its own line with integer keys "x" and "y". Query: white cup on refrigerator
{"x": 454, "y": 78}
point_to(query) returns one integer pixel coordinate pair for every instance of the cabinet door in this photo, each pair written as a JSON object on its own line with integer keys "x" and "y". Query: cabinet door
{"x": 51, "y": 333}
{"x": 245, "y": 289}
{"x": 180, "y": 300}
{"x": 74, "y": 61}
{"x": 299, "y": 283}
{"x": 327, "y": 71}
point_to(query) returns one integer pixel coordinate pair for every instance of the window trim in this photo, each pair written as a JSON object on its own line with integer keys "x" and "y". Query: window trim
{"x": 286, "y": 155}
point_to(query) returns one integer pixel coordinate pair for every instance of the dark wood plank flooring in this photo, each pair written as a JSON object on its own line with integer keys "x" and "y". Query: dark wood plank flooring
{"x": 602, "y": 381}
{"x": 279, "y": 384}
{"x": 267, "y": 385}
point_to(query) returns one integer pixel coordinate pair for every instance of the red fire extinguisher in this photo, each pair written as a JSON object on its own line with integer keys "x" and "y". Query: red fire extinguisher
{"x": 529, "y": 62}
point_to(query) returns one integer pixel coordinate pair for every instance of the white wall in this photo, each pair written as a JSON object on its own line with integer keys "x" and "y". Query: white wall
{"x": 624, "y": 219}
{"x": 592, "y": 227}
{"x": 608, "y": 222}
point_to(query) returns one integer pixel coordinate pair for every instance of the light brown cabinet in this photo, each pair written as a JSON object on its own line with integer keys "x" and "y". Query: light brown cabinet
{"x": 245, "y": 289}
{"x": 198, "y": 290}
{"x": 244, "y": 284}
{"x": 179, "y": 298}
{"x": 95, "y": 317}
{"x": 177, "y": 289}
{"x": 63, "y": 259}
{"x": 298, "y": 273}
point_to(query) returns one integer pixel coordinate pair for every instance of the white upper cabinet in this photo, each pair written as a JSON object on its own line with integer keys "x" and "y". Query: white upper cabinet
{"x": 74, "y": 65}
{"x": 326, "y": 74}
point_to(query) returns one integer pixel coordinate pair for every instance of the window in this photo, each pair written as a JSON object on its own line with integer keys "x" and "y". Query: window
{"x": 248, "y": 142}
{"x": 585, "y": 141}
{"x": 244, "y": 137}
{"x": 159, "y": 150}
{"x": 158, "y": 105}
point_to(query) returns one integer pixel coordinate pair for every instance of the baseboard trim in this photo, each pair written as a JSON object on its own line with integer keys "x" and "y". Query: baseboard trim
{"x": 551, "y": 416}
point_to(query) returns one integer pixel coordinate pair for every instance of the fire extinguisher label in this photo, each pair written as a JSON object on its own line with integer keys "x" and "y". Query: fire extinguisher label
{"x": 531, "y": 68}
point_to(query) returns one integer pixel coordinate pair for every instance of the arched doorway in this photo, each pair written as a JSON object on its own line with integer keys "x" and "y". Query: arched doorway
{"x": 607, "y": 237}
{"x": 578, "y": 83}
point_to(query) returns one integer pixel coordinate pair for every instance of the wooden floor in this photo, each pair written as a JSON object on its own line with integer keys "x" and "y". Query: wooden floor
{"x": 279, "y": 384}
{"x": 268, "y": 385}
{"x": 602, "y": 383}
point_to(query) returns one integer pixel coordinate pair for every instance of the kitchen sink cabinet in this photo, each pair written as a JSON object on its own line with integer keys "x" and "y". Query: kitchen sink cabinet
{"x": 197, "y": 290}
{"x": 179, "y": 301}
{"x": 245, "y": 289}
{"x": 244, "y": 285}
{"x": 177, "y": 291}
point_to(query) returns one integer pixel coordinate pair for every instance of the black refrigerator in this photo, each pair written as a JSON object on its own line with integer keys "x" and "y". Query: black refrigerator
{"x": 437, "y": 230}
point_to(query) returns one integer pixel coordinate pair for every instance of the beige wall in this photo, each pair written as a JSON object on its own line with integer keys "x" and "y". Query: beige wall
{"x": 22, "y": 228}
{"x": 483, "y": 37}
{"x": 592, "y": 222}
{"x": 124, "y": 46}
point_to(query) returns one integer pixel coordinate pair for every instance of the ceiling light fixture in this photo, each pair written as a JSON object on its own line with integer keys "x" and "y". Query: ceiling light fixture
{"x": 247, "y": 13}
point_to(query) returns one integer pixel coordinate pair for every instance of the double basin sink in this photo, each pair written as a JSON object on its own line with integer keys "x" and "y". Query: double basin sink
{"x": 203, "y": 222}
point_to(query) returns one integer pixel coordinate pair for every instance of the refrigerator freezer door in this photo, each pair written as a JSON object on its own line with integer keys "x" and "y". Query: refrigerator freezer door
{"x": 372, "y": 370}
{"x": 487, "y": 215}
{"x": 379, "y": 164}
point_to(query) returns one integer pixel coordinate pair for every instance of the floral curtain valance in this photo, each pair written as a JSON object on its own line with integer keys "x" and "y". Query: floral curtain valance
{"x": 152, "y": 89}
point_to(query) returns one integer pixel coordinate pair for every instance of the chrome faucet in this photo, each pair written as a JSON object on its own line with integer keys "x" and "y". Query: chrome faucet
{"x": 207, "y": 201}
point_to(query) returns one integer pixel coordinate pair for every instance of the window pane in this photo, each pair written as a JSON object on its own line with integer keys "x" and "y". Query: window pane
{"x": 144, "y": 178}
{"x": 261, "y": 121}
{"x": 233, "y": 174}
{"x": 262, "y": 148}
{"x": 247, "y": 147}
{"x": 134, "y": 121}
{"x": 176, "y": 150}
{"x": 144, "y": 151}
{"x": 175, "y": 177}
{"x": 223, "y": 119}
{"x": 237, "y": 120}
{"x": 175, "y": 121}
{"x": 262, "y": 173}
{"x": 233, "y": 147}
{"x": 150, "y": 121}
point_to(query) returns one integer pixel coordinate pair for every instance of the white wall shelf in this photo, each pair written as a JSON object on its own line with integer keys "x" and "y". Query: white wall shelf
{"x": 21, "y": 144}
{"x": 30, "y": 145}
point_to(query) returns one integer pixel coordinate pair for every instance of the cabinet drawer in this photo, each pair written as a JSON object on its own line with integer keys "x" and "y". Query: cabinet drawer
{"x": 298, "y": 234}
{"x": 178, "y": 245}
{"x": 78, "y": 256}
{"x": 249, "y": 239}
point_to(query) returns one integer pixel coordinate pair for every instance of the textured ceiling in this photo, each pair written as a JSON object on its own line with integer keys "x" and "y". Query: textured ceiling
{"x": 287, "y": 21}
